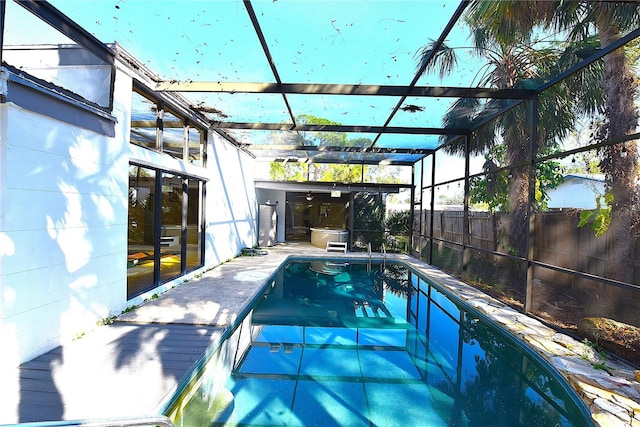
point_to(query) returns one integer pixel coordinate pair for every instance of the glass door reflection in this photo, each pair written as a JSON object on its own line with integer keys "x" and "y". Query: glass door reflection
{"x": 171, "y": 218}
{"x": 141, "y": 226}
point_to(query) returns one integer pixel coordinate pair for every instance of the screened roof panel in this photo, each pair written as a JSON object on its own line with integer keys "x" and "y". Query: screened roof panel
{"x": 242, "y": 107}
{"x": 317, "y": 156}
{"x": 329, "y": 140}
{"x": 345, "y": 109}
{"x": 250, "y": 65}
{"x": 349, "y": 41}
{"x": 39, "y": 32}
{"x": 467, "y": 65}
{"x": 178, "y": 39}
{"x": 422, "y": 112}
{"x": 408, "y": 142}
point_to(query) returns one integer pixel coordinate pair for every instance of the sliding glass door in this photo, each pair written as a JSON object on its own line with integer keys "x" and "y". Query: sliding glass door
{"x": 171, "y": 218}
{"x": 194, "y": 224}
{"x": 165, "y": 227}
{"x": 142, "y": 224}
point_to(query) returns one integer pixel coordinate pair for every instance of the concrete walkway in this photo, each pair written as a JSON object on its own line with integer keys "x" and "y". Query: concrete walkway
{"x": 128, "y": 368}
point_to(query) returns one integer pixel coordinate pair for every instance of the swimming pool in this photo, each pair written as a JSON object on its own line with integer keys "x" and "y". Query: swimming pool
{"x": 340, "y": 342}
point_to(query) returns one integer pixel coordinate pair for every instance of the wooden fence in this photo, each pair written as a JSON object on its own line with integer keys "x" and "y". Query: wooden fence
{"x": 557, "y": 240}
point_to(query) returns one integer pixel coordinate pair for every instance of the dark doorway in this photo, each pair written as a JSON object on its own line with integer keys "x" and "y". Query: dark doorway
{"x": 307, "y": 210}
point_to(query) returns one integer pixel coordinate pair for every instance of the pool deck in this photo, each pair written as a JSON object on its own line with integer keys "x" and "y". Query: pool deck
{"x": 129, "y": 368}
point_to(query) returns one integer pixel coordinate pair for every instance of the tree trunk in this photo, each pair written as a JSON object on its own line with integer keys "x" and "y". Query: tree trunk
{"x": 620, "y": 169}
{"x": 516, "y": 153}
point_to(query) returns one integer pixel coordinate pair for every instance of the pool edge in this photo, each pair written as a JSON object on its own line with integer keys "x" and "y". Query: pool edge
{"x": 611, "y": 399}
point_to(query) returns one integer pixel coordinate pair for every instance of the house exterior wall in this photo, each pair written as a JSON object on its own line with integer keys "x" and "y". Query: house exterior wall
{"x": 231, "y": 208}
{"x": 64, "y": 221}
{"x": 575, "y": 192}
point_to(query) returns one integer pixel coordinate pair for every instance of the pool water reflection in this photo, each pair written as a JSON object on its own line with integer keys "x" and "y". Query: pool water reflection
{"x": 364, "y": 345}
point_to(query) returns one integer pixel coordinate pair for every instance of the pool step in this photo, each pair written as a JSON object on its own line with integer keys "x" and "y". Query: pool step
{"x": 337, "y": 246}
{"x": 365, "y": 309}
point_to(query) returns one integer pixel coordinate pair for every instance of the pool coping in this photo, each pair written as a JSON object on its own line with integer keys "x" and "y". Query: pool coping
{"x": 612, "y": 396}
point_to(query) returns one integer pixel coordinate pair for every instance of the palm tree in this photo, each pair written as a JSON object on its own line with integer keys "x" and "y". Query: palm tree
{"x": 513, "y": 64}
{"x": 507, "y": 21}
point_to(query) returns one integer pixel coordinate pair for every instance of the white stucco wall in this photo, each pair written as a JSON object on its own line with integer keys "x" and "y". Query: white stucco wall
{"x": 231, "y": 209}
{"x": 63, "y": 221}
{"x": 64, "y": 217}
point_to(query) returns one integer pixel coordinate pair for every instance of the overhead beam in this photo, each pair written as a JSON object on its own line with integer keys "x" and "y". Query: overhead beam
{"x": 265, "y": 47}
{"x": 339, "y": 128}
{"x": 343, "y": 89}
{"x": 363, "y": 162}
{"x": 153, "y": 123}
{"x": 332, "y": 148}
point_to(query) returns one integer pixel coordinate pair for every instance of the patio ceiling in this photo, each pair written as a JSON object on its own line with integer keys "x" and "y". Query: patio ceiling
{"x": 320, "y": 81}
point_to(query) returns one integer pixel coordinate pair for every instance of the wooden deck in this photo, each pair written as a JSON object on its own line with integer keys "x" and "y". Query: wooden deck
{"x": 122, "y": 370}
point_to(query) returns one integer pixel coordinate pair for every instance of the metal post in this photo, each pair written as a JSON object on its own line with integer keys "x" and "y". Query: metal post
{"x": 3, "y": 7}
{"x": 203, "y": 217}
{"x": 421, "y": 206}
{"x": 533, "y": 143}
{"x": 157, "y": 226}
{"x": 159, "y": 125}
{"x": 351, "y": 214}
{"x": 183, "y": 225}
{"x": 433, "y": 204}
{"x": 185, "y": 142}
{"x": 465, "y": 207}
{"x": 413, "y": 209}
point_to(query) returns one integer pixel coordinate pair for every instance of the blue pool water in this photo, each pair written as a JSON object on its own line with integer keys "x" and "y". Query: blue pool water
{"x": 346, "y": 343}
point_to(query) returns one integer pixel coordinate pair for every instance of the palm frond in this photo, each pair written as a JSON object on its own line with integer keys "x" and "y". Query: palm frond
{"x": 460, "y": 115}
{"x": 431, "y": 58}
{"x": 623, "y": 16}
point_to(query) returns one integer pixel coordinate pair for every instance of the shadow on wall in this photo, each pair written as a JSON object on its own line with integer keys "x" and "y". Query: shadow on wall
{"x": 67, "y": 227}
{"x": 230, "y": 205}
{"x": 249, "y": 202}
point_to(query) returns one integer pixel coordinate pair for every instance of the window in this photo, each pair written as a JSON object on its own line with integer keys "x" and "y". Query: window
{"x": 143, "y": 122}
{"x": 156, "y": 126}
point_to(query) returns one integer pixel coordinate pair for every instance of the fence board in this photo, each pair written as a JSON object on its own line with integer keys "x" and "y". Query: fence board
{"x": 557, "y": 239}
